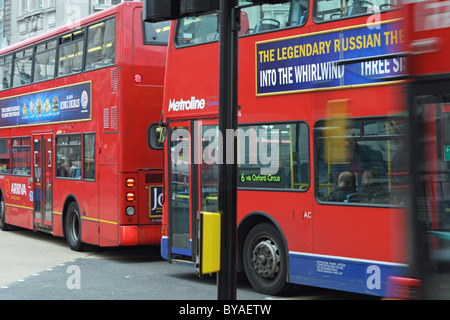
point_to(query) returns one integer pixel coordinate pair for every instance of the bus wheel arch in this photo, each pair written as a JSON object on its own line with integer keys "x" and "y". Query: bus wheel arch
{"x": 260, "y": 242}
{"x": 72, "y": 224}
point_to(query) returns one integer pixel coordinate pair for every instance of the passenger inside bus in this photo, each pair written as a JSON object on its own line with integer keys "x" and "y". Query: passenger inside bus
{"x": 346, "y": 186}
{"x": 371, "y": 185}
{"x": 63, "y": 167}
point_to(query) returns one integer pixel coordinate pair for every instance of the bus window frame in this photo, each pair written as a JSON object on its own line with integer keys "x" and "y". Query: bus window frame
{"x": 308, "y": 148}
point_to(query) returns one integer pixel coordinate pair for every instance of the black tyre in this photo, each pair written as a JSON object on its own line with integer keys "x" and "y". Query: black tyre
{"x": 264, "y": 259}
{"x": 3, "y": 225}
{"x": 72, "y": 228}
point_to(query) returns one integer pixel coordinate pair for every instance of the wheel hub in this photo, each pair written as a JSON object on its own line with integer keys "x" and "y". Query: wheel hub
{"x": 266, "y": 259}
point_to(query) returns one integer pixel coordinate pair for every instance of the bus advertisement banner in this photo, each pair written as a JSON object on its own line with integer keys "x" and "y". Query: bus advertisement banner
{"x": 310, "y": 62}
{"x": 69, "y": 103}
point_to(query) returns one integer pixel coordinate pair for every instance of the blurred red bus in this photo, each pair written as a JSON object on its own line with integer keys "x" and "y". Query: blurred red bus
{"x": 428, "y": 30}
{"x": 75, "y": 103}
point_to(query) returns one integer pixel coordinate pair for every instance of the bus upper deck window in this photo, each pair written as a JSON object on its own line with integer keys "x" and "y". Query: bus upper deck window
{"x": 101, "y": 44}
{"x": 326, "y": 10}
{"x": 5, "y": 71}
{"x": 23, "y": 62}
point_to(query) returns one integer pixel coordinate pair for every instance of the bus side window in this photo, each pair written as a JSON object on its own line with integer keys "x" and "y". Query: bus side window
{"x": 21, "y": 156}
{"x": 44, "y": 65}
{"x": 23, "y": 62}
{"x": 68, "y": 156}
{"x": 5, "y": 145}
{"x": 89, "y": 157}
{"x": 325, "y": 10}
{"x": 71, "y": 53}
{"x": 5, "y": 72}
{"x": 368, "y": 151}
{"x": 101, "y": 44}
{"x": 274, "y": 156}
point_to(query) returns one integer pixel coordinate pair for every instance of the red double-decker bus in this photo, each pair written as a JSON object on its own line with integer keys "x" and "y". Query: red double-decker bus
{"x": 323, "y": 187}
{"x": 75, "y": 103}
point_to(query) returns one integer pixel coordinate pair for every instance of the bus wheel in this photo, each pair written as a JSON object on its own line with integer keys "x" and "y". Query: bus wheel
{"x": 73, "y": 227}
{"x": 3, "y": 225}
{"x": 264, "y": 258}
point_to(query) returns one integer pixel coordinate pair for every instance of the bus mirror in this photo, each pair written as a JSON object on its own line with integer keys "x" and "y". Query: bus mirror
{"x": 156, "y": 136}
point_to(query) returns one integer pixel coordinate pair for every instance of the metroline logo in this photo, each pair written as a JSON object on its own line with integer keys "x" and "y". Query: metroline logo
{"x": 181, "y": 105}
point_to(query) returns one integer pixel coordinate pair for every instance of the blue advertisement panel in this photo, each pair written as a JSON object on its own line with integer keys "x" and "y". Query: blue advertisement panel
{"x": 308, "y": 62}
{"x": 63, "y": 104}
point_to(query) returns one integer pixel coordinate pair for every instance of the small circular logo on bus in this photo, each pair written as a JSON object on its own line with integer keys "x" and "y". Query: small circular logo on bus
{"x": 84, "y": 99}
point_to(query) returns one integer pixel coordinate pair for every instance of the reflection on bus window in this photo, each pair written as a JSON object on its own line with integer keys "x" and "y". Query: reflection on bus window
{"x": 362, "y": 161}
{"x": 45, "y": 61}
{"x": 101, "y": 44}
{"x": 4, "y": 156}
{"x": 23, "y": 61}
{"x": 21, "y": 156}
{"x": 325, "y": 10}
{"x": 282, "y": 149}
{"x": 254, "y": 19}
{"x": 71, "y": 53}
{"x": 5, "y": 72}
{"x": 68, "y": 156}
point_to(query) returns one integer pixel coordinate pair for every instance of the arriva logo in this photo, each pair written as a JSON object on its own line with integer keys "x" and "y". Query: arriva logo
{"x": 181, "y": 105}
{"x": 18, "y": 189}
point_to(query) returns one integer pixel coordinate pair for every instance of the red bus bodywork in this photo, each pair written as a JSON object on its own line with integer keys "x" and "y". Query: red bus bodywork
{"x": 124, "y": 99}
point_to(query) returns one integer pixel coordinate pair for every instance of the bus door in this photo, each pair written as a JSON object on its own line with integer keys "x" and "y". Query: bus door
{"x": 193, "y": 181}
{"x": 42, "y": 181}
{"x": 180, "y": 190}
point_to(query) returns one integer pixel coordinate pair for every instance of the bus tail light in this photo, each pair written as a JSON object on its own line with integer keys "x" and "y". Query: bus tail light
{"x": 130, "y": 196}
{"x": 131, "y": 183}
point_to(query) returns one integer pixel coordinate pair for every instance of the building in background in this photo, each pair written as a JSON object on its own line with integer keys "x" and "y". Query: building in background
{"x": 23, "y": 19}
